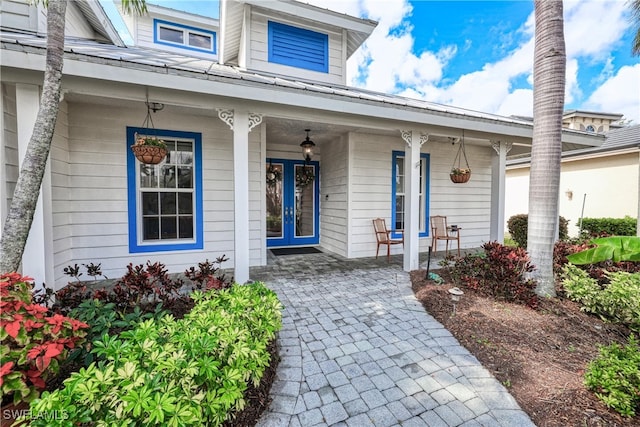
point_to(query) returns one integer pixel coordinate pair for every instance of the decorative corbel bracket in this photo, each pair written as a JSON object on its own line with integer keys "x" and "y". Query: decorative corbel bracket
{"x": 496, "y": 146}
{"x": 254, "y": 120}
{"x": 228, "y": 115}
{"x": 407, "y": 136}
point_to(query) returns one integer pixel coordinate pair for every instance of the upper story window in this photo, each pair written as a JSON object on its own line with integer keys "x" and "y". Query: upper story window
{"x": 298, "y": 47}
{"x": 590, "y": 128}
{"x": 183, "y": 36}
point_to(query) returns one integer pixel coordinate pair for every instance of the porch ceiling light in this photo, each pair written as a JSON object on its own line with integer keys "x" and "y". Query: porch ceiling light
{"x": 307, "y": 147}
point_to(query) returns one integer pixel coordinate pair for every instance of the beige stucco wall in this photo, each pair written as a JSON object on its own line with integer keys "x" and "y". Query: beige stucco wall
{"x": 607, "y": 185}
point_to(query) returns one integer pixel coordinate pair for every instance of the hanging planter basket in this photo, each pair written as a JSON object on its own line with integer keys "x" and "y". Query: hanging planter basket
{"x": 460, "y": 173}
{"x": 149, "y": 150}
{"x": 460, "y": 176}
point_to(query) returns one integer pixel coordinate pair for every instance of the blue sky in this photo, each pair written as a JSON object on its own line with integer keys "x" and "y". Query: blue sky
{"x": 479, "y": 54}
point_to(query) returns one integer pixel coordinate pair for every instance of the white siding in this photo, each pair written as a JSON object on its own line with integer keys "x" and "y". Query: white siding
{"x": 97, "y": 204}
{"x": 18, "y": 14}
{"x": 259, "y": 55}
{"x": 77, "y": 25}
{"x": 9, "y": 145}
{"x": 62, "y": 230}
{"x": 333, "y": 197}
{"x": 467, "y": 205}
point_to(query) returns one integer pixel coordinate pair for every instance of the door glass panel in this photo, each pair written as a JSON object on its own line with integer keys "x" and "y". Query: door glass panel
{"x": 274, "y": 178}
{"x": 304, "y": 200}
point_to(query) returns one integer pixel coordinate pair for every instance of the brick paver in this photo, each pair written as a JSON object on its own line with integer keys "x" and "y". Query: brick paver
{"x": 358, "y": 349}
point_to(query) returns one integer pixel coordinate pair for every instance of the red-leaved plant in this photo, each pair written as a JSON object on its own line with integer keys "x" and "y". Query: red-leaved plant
{"x": 34, "y": 341}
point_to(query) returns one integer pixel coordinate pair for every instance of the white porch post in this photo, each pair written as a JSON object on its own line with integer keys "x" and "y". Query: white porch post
{"x": 498, "y": 183}
{"x": 37, "y": 260}
{"x": 414, "y": 141}
{"x": 241, "y": 123}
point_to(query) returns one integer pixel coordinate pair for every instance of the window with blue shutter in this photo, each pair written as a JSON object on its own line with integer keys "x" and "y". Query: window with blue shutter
{"x": 298, "y": 47}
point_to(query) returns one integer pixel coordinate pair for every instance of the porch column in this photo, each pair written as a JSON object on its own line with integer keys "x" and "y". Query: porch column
{"x": 414, "y": 141}
{"x": 37, "y": 260}
{"x": 498, "y": 183}
{"x": 241, "y": 123}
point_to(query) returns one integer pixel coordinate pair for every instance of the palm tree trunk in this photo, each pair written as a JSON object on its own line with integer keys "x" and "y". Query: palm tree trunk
{"x": 25, "y": 196}
{"x": 549, "y": 71}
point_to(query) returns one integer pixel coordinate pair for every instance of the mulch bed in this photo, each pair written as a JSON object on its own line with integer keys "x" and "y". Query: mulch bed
{"x": 539, "y": 355}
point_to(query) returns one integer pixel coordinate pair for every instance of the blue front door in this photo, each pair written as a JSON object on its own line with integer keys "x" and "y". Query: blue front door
{"x": 292, "y": 188}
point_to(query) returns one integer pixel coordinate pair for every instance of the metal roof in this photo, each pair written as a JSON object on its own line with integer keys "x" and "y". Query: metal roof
{"x": 618, "y": 139}
{"x": 160, "y": 61}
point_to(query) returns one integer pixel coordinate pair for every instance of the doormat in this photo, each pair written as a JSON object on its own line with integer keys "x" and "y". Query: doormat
{"x": 296, "y": 251}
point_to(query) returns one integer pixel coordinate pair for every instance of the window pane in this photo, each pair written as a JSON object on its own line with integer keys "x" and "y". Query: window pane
{"x": 167, "y": 203}
{"x": 400, "y": 174}
{"x": 149, "y": 204}
{"x": 185, "y": 203}
{"x": 186, "y": 227}
{"x": 171, "y": 35}
{"x": 150, "y": 229}
{"x": 399, "y": 224}
{"x": 167, "y": 178}
{"x": 169, "y": 227}
{"x": 184, "y": 153}
{"x": 148, "y": 176}
{"x": 185, "y": 177}
{"x": 200, "y": 40}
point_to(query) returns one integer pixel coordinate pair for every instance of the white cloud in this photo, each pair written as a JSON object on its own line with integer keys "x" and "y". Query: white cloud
{"x": 388, "y": 61}
{"x": 619, "y": 94}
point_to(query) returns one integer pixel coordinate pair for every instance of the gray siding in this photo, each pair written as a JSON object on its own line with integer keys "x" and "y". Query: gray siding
{"x": 467, "y": 205}
{"x": 334, "y": 197}
{"x": 9, "y": 145}
{"x": 97, "y": 205}
{"x": 60, "y": 192}
{"x": 18, "y": 14}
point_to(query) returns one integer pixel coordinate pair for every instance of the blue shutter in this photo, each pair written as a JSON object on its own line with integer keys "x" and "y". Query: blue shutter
{"x": 298, "y": 47}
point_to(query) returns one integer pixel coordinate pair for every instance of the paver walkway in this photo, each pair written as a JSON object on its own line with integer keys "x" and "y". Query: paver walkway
{"x": 357, "y": 349}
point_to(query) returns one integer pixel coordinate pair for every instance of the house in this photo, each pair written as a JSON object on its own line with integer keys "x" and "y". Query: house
{"x": 234, "y": 97}
{"x": 595, "y": 182}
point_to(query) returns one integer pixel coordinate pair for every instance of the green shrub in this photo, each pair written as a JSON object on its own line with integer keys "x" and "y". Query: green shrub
{"x": 614, "y": 376}
{"x": 518, "y": 228}
{"x": 592, "y": 227}
{"x": 618, "y": 302}
{"x": 102, "y": 319}
{"x": 192, "y": 371}
{"x": 500, "y": 271}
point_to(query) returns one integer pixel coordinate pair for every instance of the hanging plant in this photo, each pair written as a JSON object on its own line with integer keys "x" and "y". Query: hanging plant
{"x": 460, "y": 173}
{"x": 304, "y": 177}
{"x": 273, "y": 176}
{"x": 149, "y": 149}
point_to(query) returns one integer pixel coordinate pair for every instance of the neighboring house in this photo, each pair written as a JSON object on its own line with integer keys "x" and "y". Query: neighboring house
{"x": 233, "y": 97}
{"x": 596, "y": 182}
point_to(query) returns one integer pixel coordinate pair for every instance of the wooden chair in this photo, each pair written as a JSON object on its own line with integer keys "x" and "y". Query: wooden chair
{"x": 441, "y": 231}
{"x": 383, "y": 236}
